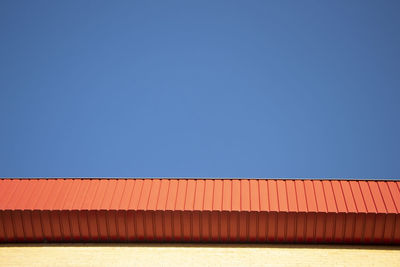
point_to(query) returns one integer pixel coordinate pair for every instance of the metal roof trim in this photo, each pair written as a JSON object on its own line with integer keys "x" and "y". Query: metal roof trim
{"x": 215, "y": 178}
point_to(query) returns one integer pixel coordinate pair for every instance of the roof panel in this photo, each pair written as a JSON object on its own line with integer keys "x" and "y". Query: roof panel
{"x": 282, "y": 195}
{"x": 264, "y": 202}
{"x": 71, "y": 196}
{"x": 395, "y": 193}
{"x": 136, "y": 195}
{"x": 99, "y": 196}
{"x": 245, "y": 194}
{"x": 190, "y": 195}
{"x": 199, "y": 196}
{"x": 124, "y": 203}
{"x": 254, "y": 195}
{"x": 172, "y": 192}
{"x": 310, "y": 196}
{"x": 88, "y": 199}
{"x": 273, "y": 196}
{"x": 118, "y": 193}
{"x": 4, "y": 187}
{"x": 348, "y": 196}
{"x": 109, "y": 194}
{"x": 330, "y": 197}
{"x": 320, "y": 196}
{"x": 81, "y": 195}
{"x": 144, "y": 195}
{"x": 7, "y": 188}
{"x": 369, "y": 202}
{"x": 387, "y": 197}
{"x": 358, "y": 197}
{"x": 291, "y": 192}
{"x": 66, "y": 188}
{"x": 377, "y": 197}
{"x": 217, "y": 196}
{"x": 164, "y": 190}
{"x": 181, "y": 194}
{"x": 31, "y": 205}
{"x": 339, "y": 197}
{"x": 241, "y": 195}
{"x": 33, "y": 189}
{"x": 154, "y": 193}
{"x": 301, "y": 196}
{"x": 54, "y": 193}
{"x": 209, "y": 194}
{"x": 227, "y": 195}
{"x": 18, "y": 196}
{"x": 236, "y": 195}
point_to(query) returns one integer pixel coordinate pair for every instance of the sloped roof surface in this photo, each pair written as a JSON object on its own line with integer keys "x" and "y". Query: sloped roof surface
{"x": 228, "y": 210}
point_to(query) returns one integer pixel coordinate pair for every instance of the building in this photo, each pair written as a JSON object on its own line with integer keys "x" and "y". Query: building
{"x": 200, "y": 211}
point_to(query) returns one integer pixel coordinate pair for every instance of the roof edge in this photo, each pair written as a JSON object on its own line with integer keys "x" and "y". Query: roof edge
{"x": 216, "y": 178}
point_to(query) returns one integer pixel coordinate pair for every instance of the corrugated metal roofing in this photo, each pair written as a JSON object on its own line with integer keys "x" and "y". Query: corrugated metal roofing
{"x": 200, "y": 210}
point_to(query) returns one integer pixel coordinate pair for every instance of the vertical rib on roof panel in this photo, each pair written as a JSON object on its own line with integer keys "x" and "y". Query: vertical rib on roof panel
{"x": 163, "y": 195}
{"x": 199, "y": 196}
{"x": 387, "y": 197}
{"x": 273, "y": 196}
{"x": 244, "y": 195}
{"x": 71, "y": 195}
{"x": 310, "y": 196}
{"x": 181, "y": 195}
{"x": 291, "y": 194}
{"x": 254, "y": 195}
{"x": 109, "y": 194}
{"x": 358, "y": 197}
{"x": 320, "y": 196}
{"x": 217, "y": 196}
{"x": 339, "y": 197}
{"x": 190, "y": 195}
{"x": 135, "y": 195}
{"x": 282, "y": 195}
{"x": 212, "y": 210}
{"x": 263, "y": 189}
{"x": 227, "y": 195}
{"x": 117, "y": 195}
{"x": 236, "y": 196}
{"x": 329, "y": 196}
{"x": 208, "y": 195}
{"x": 301, "y": 196}
{"x": 153, "y": 197}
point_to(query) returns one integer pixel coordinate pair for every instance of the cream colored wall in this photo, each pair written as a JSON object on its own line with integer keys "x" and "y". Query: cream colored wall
{"x": 197, "y": 255}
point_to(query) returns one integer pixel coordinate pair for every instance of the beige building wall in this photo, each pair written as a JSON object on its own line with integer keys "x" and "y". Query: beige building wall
{"x": 196, "y": 255}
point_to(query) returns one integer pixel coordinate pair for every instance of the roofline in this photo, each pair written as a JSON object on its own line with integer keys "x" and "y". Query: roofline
{"x": 221, "y": 178}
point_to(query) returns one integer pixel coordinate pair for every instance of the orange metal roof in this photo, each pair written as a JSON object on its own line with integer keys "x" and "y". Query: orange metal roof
{"x": 243, "y": 210}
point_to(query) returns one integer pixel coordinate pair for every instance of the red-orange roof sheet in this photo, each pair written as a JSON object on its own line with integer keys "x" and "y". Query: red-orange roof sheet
{"x": 208, "y": 210}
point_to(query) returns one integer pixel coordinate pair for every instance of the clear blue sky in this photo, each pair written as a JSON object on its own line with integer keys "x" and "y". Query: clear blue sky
{"x": 206, "y": 88}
